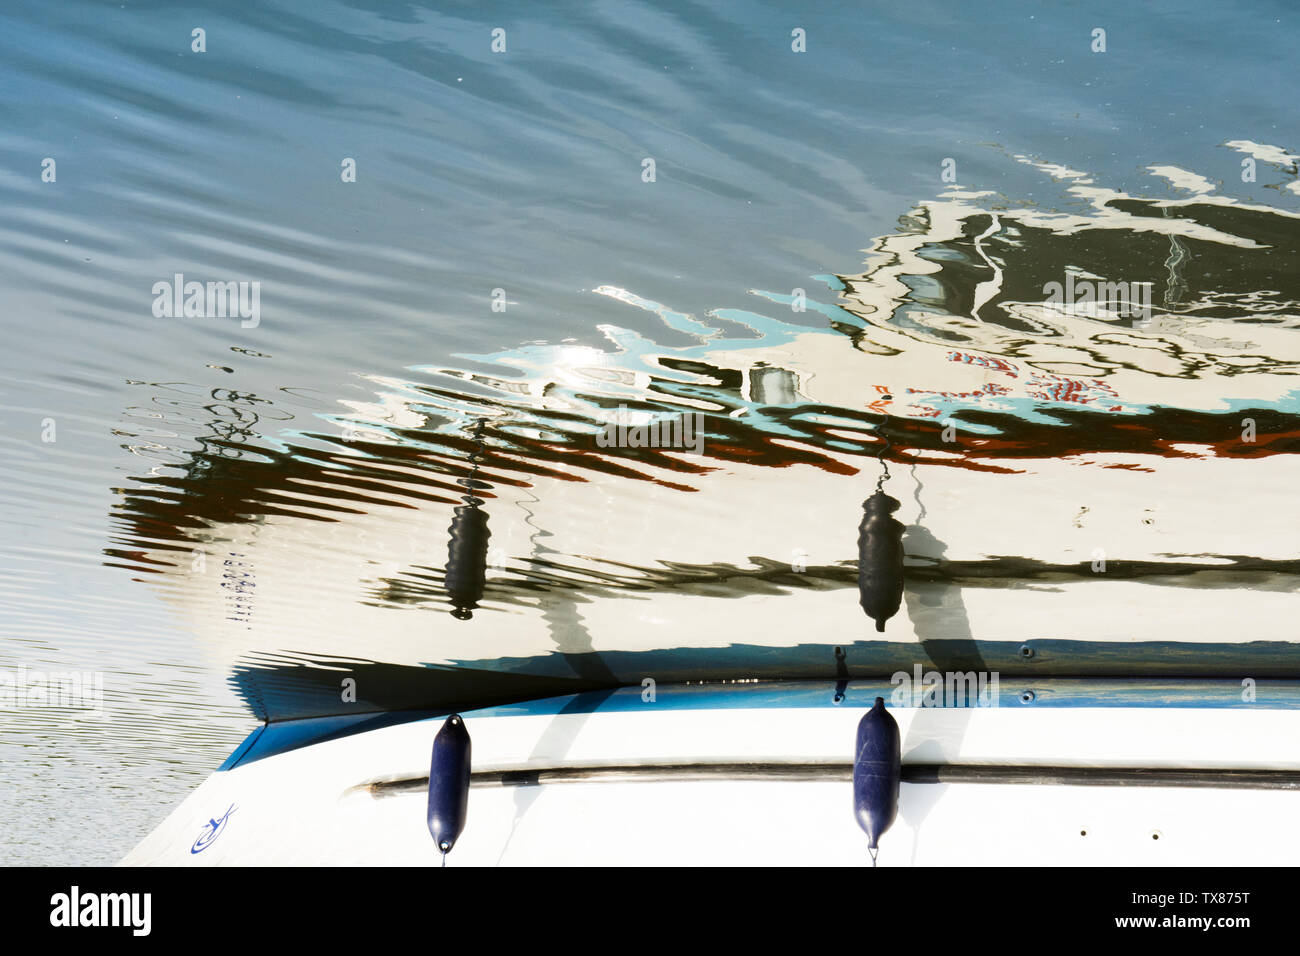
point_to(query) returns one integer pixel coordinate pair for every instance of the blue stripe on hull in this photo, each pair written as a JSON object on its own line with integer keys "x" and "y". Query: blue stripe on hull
{"x": 1014, "y": 692}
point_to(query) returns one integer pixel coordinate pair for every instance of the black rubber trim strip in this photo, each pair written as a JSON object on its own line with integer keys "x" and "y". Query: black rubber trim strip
{"x": 912, "y": 773}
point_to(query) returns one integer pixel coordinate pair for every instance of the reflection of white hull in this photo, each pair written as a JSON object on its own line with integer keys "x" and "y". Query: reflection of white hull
{"x": 1173, "y": 360}
{"x": 320, "y": 587}
{"x": 327, "y": 606}
{"x": 316, "y": 805}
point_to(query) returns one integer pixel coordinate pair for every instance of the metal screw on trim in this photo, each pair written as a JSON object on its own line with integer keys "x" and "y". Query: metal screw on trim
{"x": 1026, "y": 651}
{"x": 1027, "y": 697}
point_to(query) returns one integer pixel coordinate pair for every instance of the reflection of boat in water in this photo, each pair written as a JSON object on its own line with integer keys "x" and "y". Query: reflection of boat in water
{"x": 1056, "y": 462}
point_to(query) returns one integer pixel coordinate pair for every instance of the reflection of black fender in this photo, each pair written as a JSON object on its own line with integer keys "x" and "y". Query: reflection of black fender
{"x": 880, "y": 559}
{"x": 466, "y": 573}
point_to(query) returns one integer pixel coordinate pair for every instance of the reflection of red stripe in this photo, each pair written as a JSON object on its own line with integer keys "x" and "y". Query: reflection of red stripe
{"x": 983, "y": 361}
{"x": 988, "y": 388}
{"x": 1051, "y": 387}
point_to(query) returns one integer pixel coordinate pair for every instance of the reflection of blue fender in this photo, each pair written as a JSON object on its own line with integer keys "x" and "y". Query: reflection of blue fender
{"x": 211, "y": 832}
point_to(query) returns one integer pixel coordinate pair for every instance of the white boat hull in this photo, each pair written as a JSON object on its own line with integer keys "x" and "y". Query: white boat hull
{"x": 571, "y": 782}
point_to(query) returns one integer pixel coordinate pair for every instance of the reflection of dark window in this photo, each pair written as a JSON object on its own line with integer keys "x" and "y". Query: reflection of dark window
{"x": 772, "y": 386}
{"x": 728, "y": 379}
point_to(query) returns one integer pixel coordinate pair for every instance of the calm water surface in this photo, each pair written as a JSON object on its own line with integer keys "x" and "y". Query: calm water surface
{"x": 223, "y": 518}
